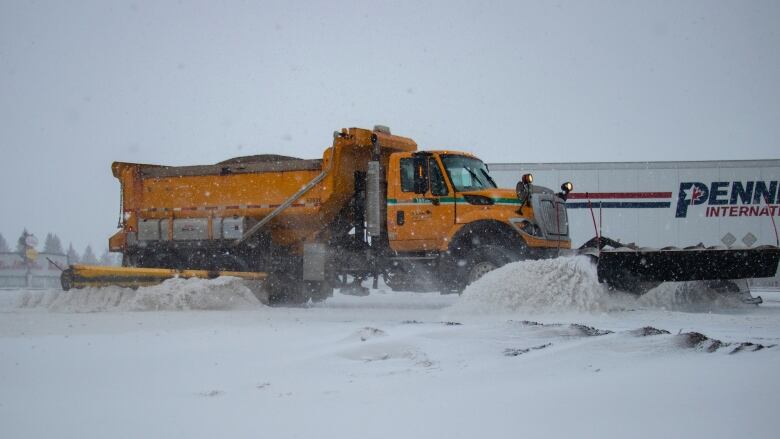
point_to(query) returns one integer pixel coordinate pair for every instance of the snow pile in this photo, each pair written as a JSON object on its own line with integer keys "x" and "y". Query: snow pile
{"x": 224, "y": 293}
{"x": 690, "y": 297}
{"x": 198, "y": 294}
{"x": 571, "y": 284}
{"x": 567, "y": 283}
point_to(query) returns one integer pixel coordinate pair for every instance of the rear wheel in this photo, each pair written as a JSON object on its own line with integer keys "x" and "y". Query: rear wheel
{"x": 227, "y": 262}
{"x": 158, "y": 258}
{"x": 397, "y": 279}
{"x": 285, "y": 290}
{"x": 411, "y": 276}
{"x": 318, "y": 290}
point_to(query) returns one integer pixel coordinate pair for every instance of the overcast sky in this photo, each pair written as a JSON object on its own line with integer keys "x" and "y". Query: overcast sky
{"x": 85, "y": 83}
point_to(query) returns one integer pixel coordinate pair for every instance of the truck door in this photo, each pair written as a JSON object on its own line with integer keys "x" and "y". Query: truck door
{"x": 418, "y": 222}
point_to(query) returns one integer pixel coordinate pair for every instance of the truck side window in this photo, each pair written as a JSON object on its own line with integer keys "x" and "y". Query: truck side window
{"x": 407, "y": 175}
{"x": 437, "y": 180}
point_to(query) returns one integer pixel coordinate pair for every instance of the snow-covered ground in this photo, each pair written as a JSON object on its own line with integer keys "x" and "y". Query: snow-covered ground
{"x": 533, "y": 349}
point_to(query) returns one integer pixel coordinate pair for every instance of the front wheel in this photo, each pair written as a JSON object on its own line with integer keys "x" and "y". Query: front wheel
{"x": 481, "y": 261}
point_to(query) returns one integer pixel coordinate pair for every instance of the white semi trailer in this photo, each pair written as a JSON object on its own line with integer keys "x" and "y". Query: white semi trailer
{"x": 655, "y": 204}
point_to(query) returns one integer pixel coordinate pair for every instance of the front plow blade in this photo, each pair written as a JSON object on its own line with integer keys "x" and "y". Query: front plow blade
{"x": 628, "y": 269}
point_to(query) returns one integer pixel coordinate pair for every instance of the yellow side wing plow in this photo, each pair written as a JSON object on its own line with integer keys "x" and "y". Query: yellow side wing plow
{"x": 83, "y": 276}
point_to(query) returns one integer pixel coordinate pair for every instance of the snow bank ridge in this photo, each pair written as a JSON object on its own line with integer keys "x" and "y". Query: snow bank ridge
{"x": 568, "y": 283}
{"x": 571, "y": 284}
{"x": 224, "y": 293}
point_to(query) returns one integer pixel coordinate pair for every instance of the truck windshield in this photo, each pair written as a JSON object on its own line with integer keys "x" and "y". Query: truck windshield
{"x": 467, "y": 173}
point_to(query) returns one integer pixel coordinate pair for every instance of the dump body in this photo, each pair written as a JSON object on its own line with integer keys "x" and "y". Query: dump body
{"x": 223, "y": 201}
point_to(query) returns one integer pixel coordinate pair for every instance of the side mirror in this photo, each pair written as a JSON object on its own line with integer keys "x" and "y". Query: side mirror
{"x": 421, "y": 181}
{"x": 523, "y": 188}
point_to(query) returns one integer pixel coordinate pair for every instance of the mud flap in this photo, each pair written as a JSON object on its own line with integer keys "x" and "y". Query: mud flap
{"x": 626, "y": 268}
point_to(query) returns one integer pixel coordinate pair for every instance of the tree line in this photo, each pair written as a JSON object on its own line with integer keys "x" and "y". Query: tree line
{"x": 52, "y": 244}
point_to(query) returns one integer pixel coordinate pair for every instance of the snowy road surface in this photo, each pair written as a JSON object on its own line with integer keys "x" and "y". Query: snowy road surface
{"x": 387, "y": 365}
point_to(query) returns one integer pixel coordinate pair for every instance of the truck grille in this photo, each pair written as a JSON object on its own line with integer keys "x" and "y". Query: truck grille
{"x": 546, "y": 211}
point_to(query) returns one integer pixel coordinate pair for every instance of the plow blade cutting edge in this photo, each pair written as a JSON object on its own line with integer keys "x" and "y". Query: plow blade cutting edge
{"x": 83, "y": 276}
{"x": 627, "y": 269}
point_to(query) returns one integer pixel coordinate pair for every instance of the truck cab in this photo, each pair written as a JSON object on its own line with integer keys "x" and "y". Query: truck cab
{"x": 445, "y": 203}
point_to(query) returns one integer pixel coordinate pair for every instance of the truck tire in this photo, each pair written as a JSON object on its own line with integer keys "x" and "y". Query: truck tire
{"x": 411, "y": 276}
{"x": 318, "y": 291}
{"x": 285, "y": 290}
{"x": 397, "y": 280}
{"x": 160, "y": 258}
{"x": 482, "y": 260}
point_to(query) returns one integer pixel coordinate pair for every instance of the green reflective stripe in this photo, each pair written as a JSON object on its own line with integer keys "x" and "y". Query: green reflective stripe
{"x": 443, "y": 200}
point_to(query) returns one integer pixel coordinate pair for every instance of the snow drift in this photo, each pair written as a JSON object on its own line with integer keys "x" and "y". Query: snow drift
{"x": 571, "y": 284}
{"x": 568, "y": 283}
{"x": 224, "y": 293}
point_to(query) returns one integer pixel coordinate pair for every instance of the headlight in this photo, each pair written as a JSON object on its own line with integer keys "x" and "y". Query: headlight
{"x": 525, "y": 226}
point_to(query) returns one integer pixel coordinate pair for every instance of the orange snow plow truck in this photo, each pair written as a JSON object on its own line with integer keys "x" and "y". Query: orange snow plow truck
{"x": 373, "y": 206}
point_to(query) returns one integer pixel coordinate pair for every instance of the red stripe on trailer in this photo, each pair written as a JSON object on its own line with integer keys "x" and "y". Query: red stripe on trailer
{"x": 614, "y": 195}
